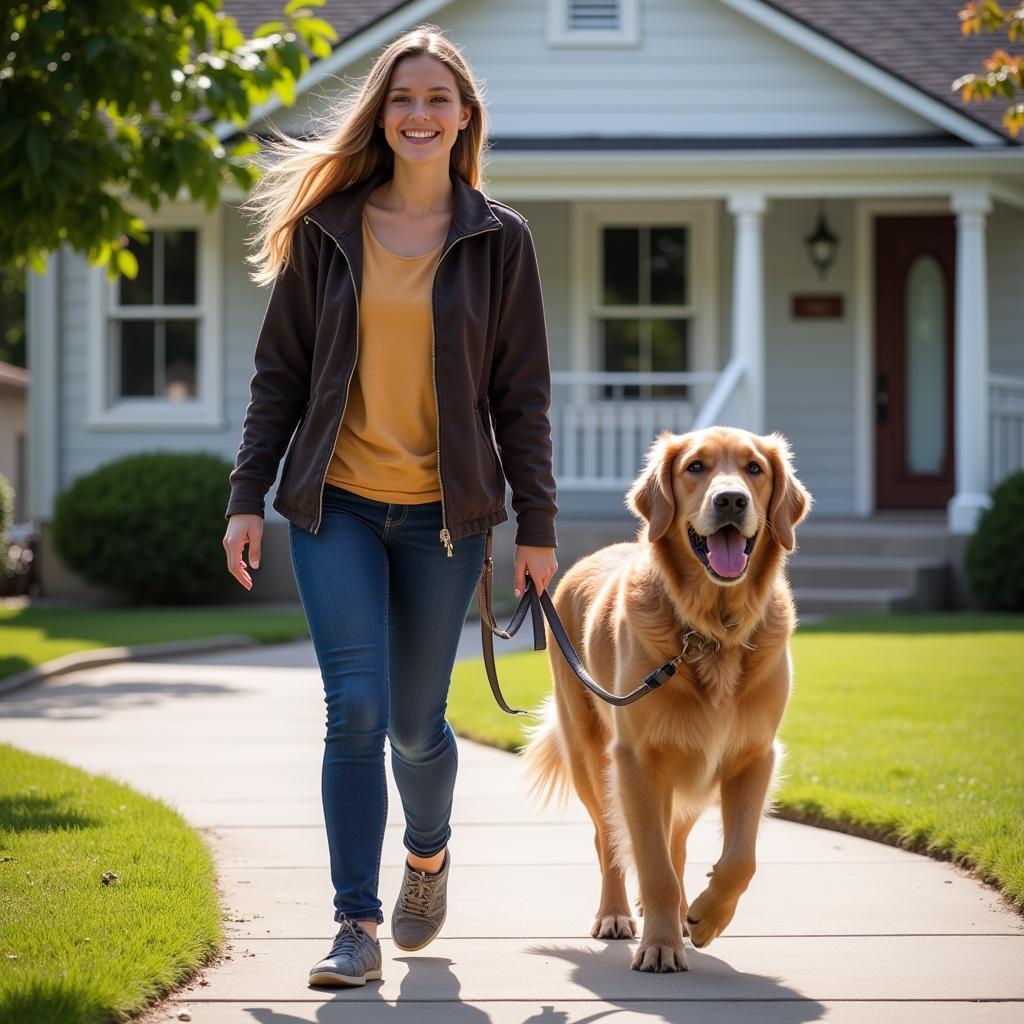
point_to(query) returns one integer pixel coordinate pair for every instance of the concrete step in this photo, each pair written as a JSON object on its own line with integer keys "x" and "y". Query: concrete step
{"x": 925, "y": 579}
{"x": 853, "y": 600}
{"x": 897, "y": 538}
{"x": 893, "y": 562}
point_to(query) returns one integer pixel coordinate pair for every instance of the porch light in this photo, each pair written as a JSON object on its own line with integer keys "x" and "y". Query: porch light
{"x": 822, "y": 244}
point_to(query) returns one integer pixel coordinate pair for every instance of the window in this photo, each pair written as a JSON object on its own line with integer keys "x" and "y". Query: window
{"x": 593, "y": 22}
{"x": 156, "y": 350}
{"x": 643, "y": 316}
{"x": 154, "y": 325}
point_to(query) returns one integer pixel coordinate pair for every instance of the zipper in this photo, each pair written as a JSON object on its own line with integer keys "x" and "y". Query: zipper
{"x": 348, "y": 383}
{"x": 446, "y": 537}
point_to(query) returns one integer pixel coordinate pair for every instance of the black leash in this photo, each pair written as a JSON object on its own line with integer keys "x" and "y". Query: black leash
{"x": 540, "y": 607}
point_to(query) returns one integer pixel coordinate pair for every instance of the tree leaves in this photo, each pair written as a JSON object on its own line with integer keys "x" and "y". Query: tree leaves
{"x": 106, "y": 101}
{"x": 1004, "y": 72}
{"x": 38, "y": 149}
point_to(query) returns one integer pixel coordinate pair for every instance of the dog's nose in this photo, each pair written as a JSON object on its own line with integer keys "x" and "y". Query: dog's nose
{"x": 730, "y": 502}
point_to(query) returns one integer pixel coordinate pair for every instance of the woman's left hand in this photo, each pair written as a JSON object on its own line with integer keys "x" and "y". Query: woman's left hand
{"x": 541, "y": 565}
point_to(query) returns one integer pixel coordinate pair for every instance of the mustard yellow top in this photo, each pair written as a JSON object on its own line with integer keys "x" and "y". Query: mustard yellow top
{"x": 387, "y": 444}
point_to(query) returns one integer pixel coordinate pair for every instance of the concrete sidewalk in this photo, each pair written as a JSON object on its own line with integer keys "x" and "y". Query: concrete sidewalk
{"x": 833, "y": 927}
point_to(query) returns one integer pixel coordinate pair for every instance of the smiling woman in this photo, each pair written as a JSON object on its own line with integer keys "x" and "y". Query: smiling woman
{"x": 404, "y": 352}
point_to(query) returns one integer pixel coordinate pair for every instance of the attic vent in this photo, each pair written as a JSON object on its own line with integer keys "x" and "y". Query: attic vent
{"x": 594, "y": 16}
{"x": 594, "y": 23}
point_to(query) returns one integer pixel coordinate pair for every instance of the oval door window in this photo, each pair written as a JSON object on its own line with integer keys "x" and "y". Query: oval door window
{"x": 926, "y": 366}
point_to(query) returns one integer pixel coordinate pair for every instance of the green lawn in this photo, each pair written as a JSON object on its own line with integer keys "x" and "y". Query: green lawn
{"x": 30, "y": 636}
{"x": 75, "y": 949}
{"x": 910, "y": 727}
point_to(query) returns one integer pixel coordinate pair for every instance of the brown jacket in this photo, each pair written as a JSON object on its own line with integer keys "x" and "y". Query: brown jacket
{"x": 490, "y": 369}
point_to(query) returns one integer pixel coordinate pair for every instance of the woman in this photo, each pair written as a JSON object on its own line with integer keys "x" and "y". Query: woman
{"x": 405, "y": 322}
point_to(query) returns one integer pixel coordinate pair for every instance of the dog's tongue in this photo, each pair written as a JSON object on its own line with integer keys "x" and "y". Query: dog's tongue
{"x": 725, "y": 552}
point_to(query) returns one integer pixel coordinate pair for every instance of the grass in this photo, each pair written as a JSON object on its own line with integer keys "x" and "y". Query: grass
{"x": 907, "y": 728}
{"x": 77, "y": 950}
{"x": 30, "y": 636}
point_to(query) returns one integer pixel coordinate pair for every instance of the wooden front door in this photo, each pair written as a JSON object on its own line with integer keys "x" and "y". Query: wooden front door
{"x": 914, "y": 288}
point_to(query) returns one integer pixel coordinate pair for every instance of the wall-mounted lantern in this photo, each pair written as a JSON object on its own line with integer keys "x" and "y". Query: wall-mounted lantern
{"x": 822, "y": 244}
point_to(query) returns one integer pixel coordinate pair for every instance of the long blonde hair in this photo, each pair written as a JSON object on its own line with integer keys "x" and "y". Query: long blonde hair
{"x": 348, "y": 147}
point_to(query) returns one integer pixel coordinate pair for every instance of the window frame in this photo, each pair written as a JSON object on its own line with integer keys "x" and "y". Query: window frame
{"x": 560, "y": 35}
{"x": 205, "y": 411}
{"x": 589, "y": 222}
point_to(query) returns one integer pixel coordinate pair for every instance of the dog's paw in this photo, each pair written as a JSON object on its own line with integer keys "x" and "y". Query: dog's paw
{"x": 613, "y": 926}
{"x": 708, "y": 916}
{"x": 639, "y": 906}
{"x": 660, "y": 958}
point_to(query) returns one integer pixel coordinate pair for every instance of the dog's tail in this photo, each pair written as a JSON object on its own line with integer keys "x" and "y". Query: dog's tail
{"x": 546, "y": 766}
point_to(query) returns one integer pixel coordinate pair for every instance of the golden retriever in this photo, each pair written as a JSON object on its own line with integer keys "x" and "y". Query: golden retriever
{"x": 719, "y": 508}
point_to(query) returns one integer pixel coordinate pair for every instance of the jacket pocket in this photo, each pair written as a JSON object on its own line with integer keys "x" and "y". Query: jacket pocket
{"x": 295, "y": 441}
{"x": 483, "y": 420}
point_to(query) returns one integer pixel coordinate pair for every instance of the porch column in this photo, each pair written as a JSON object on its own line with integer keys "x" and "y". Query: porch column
{"x": 42, "y": 322}
{"x": 748, "y": 301}
{"x": 971, "y": 205}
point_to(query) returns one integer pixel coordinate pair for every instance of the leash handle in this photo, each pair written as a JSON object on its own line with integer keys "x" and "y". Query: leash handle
{"x": 489, "y": 628}
{"x": 541, "y": 607}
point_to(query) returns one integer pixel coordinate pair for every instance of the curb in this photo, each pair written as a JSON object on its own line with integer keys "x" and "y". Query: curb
{"x": 113, "y": 655}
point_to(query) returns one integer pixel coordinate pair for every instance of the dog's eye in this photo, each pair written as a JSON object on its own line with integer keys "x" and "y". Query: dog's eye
{"x": 753, "y": 469}
{"x": 695, "y": 467}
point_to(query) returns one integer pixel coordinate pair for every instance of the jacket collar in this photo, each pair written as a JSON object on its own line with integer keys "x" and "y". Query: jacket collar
{"x": 340, "y": 213}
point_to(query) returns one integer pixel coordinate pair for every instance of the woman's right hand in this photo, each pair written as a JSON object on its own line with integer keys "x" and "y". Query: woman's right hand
{"x": 243, "y": 529}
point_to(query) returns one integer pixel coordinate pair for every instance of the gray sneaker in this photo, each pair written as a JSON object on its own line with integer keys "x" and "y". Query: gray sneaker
{"x": 421, "y": 908}
{"x": 354, "y": 959}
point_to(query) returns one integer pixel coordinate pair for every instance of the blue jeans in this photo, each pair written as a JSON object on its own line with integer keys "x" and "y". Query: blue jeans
{"x": 385, "y": 607}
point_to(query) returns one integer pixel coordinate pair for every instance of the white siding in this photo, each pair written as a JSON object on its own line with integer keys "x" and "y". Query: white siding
{"x": 549, "y": 225}
{"x": 1005, "y": 295}
{"x": 83, "y": 449}
{"x": 700, "y": 69}
{"x": 809, "y": 364}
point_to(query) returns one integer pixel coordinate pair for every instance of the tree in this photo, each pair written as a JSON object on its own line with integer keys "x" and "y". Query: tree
{"x": 112, "y": 103}
{"x": 1004, "y": 72}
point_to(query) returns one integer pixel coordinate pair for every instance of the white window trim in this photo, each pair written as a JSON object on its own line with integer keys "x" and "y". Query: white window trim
{"x": 588, "y": 220}
{"x": 559, "y": 33}
{"x": 205, "y": 412}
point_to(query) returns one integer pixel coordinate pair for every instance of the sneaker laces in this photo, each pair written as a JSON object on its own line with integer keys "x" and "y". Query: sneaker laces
{"x": 347, "y": 940}
{"x": 417, "y": 892}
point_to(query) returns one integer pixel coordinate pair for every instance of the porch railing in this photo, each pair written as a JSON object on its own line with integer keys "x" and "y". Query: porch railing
{"x": 602, "y": 423}
{"x": 1006, "y": 426}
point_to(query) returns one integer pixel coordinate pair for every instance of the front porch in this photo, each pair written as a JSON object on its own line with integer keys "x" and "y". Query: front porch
{"x": 600, "y": 436}
{"x": 723, "y": 342}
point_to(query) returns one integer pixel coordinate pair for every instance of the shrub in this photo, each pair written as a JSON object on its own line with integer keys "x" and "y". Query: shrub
{"x": 149, "y": 527}
{"x": 994, "y": 559}
{"x": 6, "y": 519}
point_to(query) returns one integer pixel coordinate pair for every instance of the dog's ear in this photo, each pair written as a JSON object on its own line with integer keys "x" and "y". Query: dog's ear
{"x": 790, "y": 501}
{"x": 651, "y": 497}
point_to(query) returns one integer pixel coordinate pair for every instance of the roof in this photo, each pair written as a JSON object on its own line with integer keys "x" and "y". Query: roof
{"x": 349, "y": 17}
{"x": 918, "y": 42}
{"x": 13, "y": 379}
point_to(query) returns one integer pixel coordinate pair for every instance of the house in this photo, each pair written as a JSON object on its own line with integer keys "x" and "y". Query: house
{"x": 677, "y": 161}
{"x": 14, "y": 384}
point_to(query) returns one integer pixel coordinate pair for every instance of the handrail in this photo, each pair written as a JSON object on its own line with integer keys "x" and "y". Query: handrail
{"x": 1006, "y": 380}
{"x": 728, "y": 380}
{"x": 628, "y": 377}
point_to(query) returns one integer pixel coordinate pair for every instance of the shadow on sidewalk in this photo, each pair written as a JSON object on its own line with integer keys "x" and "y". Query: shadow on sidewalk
{"x": 89, "y": 700}
{"x": 607, "y": 974}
